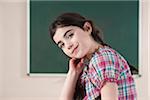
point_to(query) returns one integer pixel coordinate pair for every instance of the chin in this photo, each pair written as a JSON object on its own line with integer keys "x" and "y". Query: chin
{"x": 77, "y": 56}
{"x": 80, "y": 56}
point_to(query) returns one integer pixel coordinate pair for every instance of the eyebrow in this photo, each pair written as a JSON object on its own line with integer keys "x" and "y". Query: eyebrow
{"x": 64, "y": 35}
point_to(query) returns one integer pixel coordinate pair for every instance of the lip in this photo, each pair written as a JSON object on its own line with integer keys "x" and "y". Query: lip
{"x": 74, "y": 49}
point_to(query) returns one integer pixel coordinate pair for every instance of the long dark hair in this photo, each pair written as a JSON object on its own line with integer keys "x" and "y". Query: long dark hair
{"x": 75, "y": 19}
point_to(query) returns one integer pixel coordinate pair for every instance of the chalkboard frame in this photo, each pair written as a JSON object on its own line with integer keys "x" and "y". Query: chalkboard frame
{"x": 64, "y": 74}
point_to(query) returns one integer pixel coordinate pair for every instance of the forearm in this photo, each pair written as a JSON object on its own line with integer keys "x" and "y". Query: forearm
{"x": 69, "y": 86}
{"x": 109, "y": 91}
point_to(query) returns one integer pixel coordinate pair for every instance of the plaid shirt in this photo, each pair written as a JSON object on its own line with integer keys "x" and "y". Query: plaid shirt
{"x": 106, "y": 65}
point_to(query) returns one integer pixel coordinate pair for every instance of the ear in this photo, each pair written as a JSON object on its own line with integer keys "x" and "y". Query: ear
{"x": 87, "y": 27}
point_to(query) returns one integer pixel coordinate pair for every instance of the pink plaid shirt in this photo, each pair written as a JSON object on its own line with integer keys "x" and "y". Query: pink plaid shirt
{"x": 106, "y": 65}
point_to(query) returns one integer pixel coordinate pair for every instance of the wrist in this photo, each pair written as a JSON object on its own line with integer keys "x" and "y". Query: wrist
{"x": 73, "y": 74}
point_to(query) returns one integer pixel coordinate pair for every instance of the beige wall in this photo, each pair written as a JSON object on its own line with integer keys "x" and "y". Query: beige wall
{"x": 16, "y": 85}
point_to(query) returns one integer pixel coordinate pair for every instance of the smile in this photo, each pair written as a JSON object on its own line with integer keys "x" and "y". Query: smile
{"x": 75, "y": 50}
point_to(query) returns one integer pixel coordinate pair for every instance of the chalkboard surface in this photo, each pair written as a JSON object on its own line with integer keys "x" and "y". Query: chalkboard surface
{"x": 117, "y": 19}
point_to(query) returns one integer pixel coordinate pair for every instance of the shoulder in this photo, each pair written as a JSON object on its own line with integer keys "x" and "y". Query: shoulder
{"x": 105, "y": 56}
{"x": 106, "y": 64}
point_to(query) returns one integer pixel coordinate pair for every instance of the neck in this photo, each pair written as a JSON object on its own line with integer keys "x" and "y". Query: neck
{"x": 93, "y": 48}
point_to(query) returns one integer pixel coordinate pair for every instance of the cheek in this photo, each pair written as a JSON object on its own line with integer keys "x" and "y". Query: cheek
{"x": 66, "y": 53}
{"x": 85, "y": 47}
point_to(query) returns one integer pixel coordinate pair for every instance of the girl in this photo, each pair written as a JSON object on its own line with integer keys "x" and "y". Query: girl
{"x": 96, "y": 71}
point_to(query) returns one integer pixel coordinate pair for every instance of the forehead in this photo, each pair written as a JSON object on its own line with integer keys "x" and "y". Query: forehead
{"x": 61, "y": 31}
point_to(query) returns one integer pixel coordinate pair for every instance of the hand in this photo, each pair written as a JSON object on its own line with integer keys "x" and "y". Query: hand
{"x": 76, "y": 65}
{"x": 75, "y": 68}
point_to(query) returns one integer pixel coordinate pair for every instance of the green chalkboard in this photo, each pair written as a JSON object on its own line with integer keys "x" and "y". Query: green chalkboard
{"x": 117, "y": 19}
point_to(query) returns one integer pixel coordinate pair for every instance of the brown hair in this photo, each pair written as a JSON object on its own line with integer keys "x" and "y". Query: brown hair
{"x": 74, "y": 19}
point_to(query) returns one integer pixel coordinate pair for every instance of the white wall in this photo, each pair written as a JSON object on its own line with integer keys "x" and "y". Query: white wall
{"x": 16, "y": 85}
{"x": 1, "y": 60}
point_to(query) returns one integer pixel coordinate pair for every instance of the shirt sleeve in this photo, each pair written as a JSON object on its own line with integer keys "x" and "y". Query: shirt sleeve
{"x": 105, "y": 68}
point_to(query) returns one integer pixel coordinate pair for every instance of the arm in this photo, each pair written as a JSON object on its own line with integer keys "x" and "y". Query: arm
{"x": 109, "y": 91}
{"x": 71, "y": 80}
{"x": 107, "y": 71}
{"x": 69, "y": 86}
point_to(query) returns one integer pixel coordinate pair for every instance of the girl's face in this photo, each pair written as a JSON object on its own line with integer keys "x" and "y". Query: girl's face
{"x": 74, "y": 41}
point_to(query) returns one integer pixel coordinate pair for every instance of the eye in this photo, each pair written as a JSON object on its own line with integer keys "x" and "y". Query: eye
{"x": 70, "y": 35}
{"x": 61, "y": 45}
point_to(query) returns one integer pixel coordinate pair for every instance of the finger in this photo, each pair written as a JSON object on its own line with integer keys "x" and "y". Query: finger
{"x": 77, "y": 61}
{"x": 82, "y": 60}
{"x": 72, "y": 60}
{"x": 80, "y": 63}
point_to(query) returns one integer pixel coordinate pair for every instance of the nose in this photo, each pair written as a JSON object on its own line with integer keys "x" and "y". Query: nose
{"x": 69, "y": 46}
